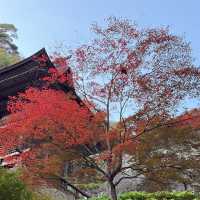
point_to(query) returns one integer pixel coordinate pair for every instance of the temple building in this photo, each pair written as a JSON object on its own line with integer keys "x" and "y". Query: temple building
{"x": 28, "y": 72}
{"x": 20, "y": 76}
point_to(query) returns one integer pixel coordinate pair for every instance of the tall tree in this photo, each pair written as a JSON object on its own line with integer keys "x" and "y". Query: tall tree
{"x": 143, "y": 73}
{"x": 7, "y": 59}
{"x": 8, "y": 33}
{"x": 8, "y": 50}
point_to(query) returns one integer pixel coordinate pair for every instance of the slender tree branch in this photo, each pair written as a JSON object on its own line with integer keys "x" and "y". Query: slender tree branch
{"x": 127, "y": 177}
{"x": 67, "y": 183}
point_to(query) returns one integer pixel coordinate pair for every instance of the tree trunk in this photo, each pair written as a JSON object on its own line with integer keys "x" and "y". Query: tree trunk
{"x": 185, "y": 186}
{"x": 113, "y": 192}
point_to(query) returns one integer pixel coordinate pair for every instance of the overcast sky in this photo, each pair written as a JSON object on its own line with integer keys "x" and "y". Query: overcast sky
{"x": 44, "y": 23}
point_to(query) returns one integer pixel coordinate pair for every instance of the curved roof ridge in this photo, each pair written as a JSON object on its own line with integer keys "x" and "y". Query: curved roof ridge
{"x": 24, "y": 61}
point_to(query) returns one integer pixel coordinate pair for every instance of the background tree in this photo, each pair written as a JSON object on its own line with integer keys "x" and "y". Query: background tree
{"x": 174, "y": 160}
{"x": 8, "y": 50}
{"x": 138, "y": 75}
{"x": 8, "y": 33}
{"x": 7, "y": 59}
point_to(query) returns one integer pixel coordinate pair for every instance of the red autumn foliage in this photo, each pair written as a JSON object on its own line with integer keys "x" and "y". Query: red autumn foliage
{"x": 188, "y": 119}
{"x": 124, "y": 67}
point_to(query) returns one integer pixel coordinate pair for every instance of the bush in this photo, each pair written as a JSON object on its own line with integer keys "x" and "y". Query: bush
{"x": 154, "y": 196}
{"x": 100, "y": 198}
{"x": 12, "y": 188}
{"x": 159, "y": 196}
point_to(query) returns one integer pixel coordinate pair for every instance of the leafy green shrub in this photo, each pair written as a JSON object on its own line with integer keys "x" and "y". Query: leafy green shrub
{"x": 159, "y": 196}
{"x": 133, "y": 196}
{"x": 154, "y": 196}
{"x": 104, "y": 197}
{"x": 175, "y": 195}
{"x": 12, "y": 188}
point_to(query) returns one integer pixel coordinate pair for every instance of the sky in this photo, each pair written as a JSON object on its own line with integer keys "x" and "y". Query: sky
{"x": 48, "y": 23}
